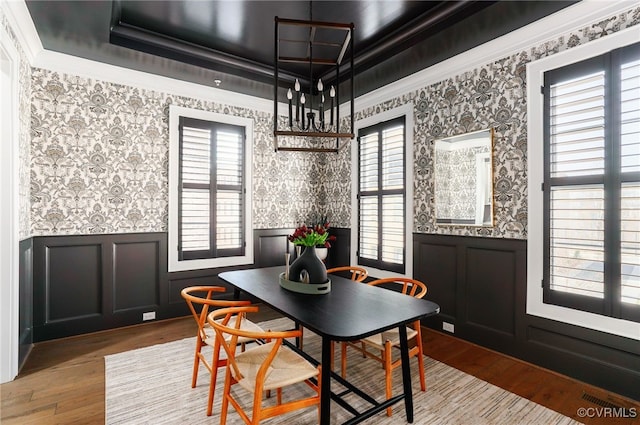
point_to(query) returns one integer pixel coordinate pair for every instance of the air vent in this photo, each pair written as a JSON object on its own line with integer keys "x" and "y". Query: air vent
{"x": 600, "y": 402}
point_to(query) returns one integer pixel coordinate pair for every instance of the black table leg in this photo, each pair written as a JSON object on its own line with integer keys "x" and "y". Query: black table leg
{"x": 406, "y": 373}
{"x": 298, "y": 339}
{"x": 325, "y": 390}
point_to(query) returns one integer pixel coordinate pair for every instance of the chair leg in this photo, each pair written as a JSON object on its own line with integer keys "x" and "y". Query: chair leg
{"x": 301, "y": 339}
{"x": 319, "y": 388}
{"x": 343, "y": 363}
{"x": 257, "y": 404}
{"x": 225, "y": 396}
{"x": 423, "y": 382}
{"x": 333, "y": 347}
{"x": 214, "y": 376}
{"x": 388, "y": 372}
{"x": 196, "y": 362}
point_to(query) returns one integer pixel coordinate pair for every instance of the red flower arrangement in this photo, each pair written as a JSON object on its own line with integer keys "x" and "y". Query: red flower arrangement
{"x": 312, "y": 236}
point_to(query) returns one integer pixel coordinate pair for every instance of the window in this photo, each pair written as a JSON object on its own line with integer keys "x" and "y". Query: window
{"x": 382, "y": 196}
{"x": 209, "y": 206}
{"x": 211, "y": 188}
{"x": 591, "y": 186}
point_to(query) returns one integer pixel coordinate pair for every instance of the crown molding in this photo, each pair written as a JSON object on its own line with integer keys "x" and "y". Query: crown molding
{"x": 550, "y": 27}
{"x": 562, "y": 22}
{"x": 22, "y": 26}
{"x": 63, "y": 63}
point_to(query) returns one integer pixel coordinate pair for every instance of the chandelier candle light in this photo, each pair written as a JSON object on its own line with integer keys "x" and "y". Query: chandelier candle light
{"x": 309, "y": 122}
{"x": 323, "y": 46}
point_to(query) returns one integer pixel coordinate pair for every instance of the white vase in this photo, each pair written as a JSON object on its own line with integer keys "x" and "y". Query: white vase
{"x": 322, "y": 252}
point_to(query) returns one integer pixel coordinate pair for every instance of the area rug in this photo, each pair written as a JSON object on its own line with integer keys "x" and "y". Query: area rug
{"x": 152, "y": 385}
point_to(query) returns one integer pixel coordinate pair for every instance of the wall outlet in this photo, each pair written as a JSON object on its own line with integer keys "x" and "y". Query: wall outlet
{"x": 448, "y": 327}
{"x": 149, "y": 315}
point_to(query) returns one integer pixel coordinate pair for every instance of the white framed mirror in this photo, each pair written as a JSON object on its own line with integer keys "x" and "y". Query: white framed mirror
{"x": 464, "y": 179}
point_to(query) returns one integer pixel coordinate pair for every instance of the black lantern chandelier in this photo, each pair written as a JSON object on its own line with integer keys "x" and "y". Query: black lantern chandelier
{"x": 313, "y": 106}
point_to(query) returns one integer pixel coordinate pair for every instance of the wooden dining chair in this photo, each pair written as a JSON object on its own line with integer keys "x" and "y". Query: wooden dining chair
{"x": 199, "y": 299}
{"x": 384, "y": 343}
{"x": 262, "y": 368}
{"x": 356, "y": 273}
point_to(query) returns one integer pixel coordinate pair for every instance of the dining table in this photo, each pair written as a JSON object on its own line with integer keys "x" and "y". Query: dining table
{"x": 349, "y": 311}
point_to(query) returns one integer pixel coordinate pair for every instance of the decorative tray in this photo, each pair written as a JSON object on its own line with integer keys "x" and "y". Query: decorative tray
{"x": 305, "y": 288}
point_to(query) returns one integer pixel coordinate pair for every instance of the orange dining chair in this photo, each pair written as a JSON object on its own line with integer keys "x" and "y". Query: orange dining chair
{"x": 199, "y": 299}
{"x": 385, "y": 342}
{"x": 357, "y": 274}
{"x": 261, "y": 368}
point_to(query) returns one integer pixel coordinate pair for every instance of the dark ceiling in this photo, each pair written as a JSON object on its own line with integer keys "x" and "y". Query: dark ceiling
{"x": 233, "y": 41}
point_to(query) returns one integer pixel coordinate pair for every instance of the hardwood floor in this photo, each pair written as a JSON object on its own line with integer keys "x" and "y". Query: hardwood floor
{"x": 550, "y": 389}
{"x": 63, "y": 380}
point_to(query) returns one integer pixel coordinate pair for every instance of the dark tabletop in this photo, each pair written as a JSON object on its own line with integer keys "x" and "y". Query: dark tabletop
{"x": 352, "y": 310}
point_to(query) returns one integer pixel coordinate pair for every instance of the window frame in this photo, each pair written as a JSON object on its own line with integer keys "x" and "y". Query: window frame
{"x": 380, "y": 193}
{"x": 405, "y": 111}
{"x": 610, "y": 181}
{"x": 536, "y": 172}
{"x": 9, "y": 193}
{"x": 234, "y": 259}
{"x": 213, "y": 187}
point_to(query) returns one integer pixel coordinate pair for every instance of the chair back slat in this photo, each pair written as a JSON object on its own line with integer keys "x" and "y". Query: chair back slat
{"x": 232, "y": 329}
{"x": 382, "y": 344}
{"x": 411, "y": 287}
{"x": 263, "y": 372}
{"x": 358, "y": 274}
{"x": 200, "y": 300}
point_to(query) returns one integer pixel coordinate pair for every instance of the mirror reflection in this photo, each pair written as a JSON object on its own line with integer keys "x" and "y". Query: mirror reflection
{"x": 464, "y": 179}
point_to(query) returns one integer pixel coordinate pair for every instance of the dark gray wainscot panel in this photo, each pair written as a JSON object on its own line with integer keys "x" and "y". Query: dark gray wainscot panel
{"x": 480, "y": 284}
{"x": 25, "y": 308}
{"x": 95, "y": 282}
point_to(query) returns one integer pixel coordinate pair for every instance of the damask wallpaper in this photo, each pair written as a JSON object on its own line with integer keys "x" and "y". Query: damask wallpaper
{"x": 493, "y": 95}
{"x": 100, "y": 160}
{"x": 24, "y": 84}
{"x": 99, "y": 150}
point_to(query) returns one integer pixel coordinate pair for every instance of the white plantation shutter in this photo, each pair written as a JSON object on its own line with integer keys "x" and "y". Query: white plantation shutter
{"x": 196, "y": 155}
{"x": 369, "y": 217}
{"x": 577, "y": 126}
{"x": 393, "y": 179}
{"x": 369, "y": 227}
{"x": 369, "y": 169}
{"x": 592, "y": 185}
{"x": 211, "y": 189}
{"x": 229, "y": 195}
{"x": 577, "y": 240}
{"x": 393, "y": 157}
{"x": 393, "y": 229}
{"x": 630, "y": 192}
{"x": 577, "y": 211}
{"x": 195, "y": 220}
{"x": 195, "y": 174}
{"x": 630, "y": 117}
{"x": 630, "y": 244}
{"x": 381, "y": 194}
